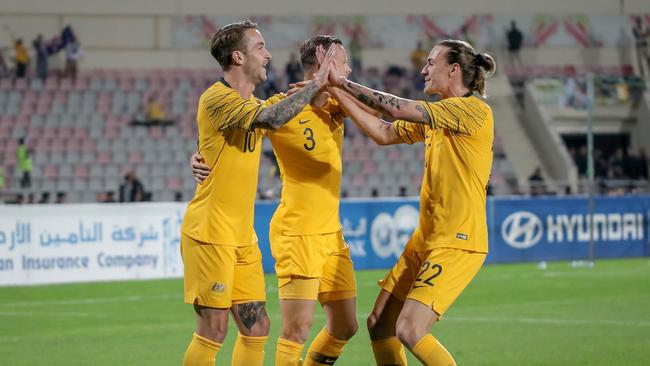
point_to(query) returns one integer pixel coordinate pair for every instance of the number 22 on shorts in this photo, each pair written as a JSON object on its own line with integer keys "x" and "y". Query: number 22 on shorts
{"x": 427, "y": 274}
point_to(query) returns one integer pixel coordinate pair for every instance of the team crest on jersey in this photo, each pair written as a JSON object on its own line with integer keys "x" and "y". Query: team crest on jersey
{"x": 218, "y": 288}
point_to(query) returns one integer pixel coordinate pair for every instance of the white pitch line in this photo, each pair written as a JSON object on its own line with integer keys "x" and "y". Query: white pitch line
{"x": 53, "y": 315}
{"x": 639, "y": 323}
{"x": 98, "y": 300}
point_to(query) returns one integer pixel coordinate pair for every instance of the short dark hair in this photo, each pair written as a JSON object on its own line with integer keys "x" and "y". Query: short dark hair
{"x": 228, "y": 39}
{"x": 308, "y": 49}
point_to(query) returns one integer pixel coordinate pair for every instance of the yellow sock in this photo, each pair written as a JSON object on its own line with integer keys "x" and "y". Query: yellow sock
{"x": 432, "y": 353}
{"x": 389, "y": 351}
{"x": 201, "y": 352}
{"x": 324, "y": 349}
{"x": 288, "y": 353}
{"x": 248, "y": 351}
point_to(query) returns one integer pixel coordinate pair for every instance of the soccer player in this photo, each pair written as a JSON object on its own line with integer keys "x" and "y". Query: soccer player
{"x": 450, "y": 244}
{"x": 312, "y": 259}
{"x": 223, "y": 264}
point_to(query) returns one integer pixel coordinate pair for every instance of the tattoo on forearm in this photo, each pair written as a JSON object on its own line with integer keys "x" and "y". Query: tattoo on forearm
{"x": 425, "y": 116}
{"x": 379, "y": 101}
{"x": 250, "y": 313}
{"x": 282, "y": 112}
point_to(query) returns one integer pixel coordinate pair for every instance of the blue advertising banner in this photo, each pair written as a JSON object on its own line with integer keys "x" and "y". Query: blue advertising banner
{"x": 375, "y": 230}
{"x": 521, "y": 229}
{"x": 525, "y": 229}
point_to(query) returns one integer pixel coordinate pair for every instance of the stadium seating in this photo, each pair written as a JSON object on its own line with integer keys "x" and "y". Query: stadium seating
{"x": 83, "y": 142}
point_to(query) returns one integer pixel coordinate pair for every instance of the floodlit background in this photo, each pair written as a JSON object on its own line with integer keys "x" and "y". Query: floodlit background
{"x": 76, "y": 98}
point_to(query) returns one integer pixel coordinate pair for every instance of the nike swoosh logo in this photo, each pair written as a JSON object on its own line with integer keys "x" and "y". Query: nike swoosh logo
{"x": 303, "y": 122}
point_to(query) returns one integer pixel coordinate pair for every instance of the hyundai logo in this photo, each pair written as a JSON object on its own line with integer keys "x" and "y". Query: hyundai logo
{"x": 522, "y": 229}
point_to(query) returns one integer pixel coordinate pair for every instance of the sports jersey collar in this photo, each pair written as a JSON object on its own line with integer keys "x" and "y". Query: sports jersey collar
{"x": 468, "y": 94}
{"x": 224, "y": 82}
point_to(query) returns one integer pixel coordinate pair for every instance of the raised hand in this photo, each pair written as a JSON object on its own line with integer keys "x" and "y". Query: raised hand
{"x": 322, "y": 75}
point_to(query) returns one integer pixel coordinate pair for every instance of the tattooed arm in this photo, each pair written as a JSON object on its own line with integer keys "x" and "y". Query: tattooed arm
{"x": 396, "y": 107}
{"x": 380, "y": 131}
{"x": 278, "y": 114}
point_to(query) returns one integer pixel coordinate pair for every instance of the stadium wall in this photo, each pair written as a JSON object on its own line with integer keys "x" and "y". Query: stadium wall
{"x": 99, "y": 242}
{"x": 144, "y": 34}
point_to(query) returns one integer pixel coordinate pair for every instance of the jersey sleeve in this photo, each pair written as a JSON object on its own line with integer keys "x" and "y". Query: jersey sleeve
{"x": 227, "y": 110}
{"x": 409, "y": 132}
{"x": 275, "y": 98}
{"x": 463, "y": 116}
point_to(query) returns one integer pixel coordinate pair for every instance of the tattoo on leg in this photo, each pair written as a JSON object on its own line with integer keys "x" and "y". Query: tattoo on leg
{"x": 250, "y": 313}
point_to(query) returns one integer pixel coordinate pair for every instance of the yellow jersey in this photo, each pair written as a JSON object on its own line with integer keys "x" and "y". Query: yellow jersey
{"x": 456, "y": 174}
{"x": 222, "y": 209}
{"x": 309, "y": 149}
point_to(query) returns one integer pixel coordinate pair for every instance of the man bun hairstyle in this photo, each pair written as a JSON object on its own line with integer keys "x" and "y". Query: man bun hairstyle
{"x": 228, "y": 39}
{"x": 475, "y": 67}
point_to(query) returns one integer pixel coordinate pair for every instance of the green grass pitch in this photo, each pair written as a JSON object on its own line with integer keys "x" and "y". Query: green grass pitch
{"x": 510, "y": 315}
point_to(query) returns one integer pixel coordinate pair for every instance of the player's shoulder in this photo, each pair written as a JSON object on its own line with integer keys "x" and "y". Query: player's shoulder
{"x": 221, "y": 87}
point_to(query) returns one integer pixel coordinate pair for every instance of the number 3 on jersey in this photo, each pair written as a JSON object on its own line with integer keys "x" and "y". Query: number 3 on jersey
{"x": 427, "y": 274}
{"x": 309, "y": 135}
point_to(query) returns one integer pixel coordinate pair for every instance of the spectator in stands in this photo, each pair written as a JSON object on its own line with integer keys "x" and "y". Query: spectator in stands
{"x": 270, "y": 85}
{"x": 178, "y": 196}
{"x": 355, "y": 50}
{"x": 60, "y": 197}
{"x": 641, "y": 34}
{"x": 374, "y": 193}
{"x": 30, "y": 199}
{"x": 293, "y": 69}
{"x": 4, "y": 69}
{"x": 132, "y": 189}
{"x": 515, "y": 41}
{"x": 45, "y": 198}
{"x": 155, "y": 113}
{"x": 402, "y": 191}
{"x": 536, "y": 183}
{"x": 110, "y": 197}
{"x": 643, "y": 164}
{"x": 418, "y": 57}
{"x": 25, "y": 163}
{"x": 41, "y": 57}
{"x": 73, "y": 55}
{"x": 21, "y": 58}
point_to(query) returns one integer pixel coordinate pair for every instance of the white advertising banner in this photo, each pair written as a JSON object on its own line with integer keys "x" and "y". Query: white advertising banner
{"x": 42, "y": 244}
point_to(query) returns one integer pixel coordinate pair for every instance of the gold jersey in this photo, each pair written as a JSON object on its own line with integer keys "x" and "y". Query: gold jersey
{"x": 457, "y": 170}
{"x": 222, "y": 209}
{"x": 308, "y": 149}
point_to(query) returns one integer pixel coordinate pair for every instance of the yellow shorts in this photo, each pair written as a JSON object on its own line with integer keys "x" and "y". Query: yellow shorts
{"x": 218, "y": 276}
{"x": 435, "y": 277}
{"x": 311, "y": 267}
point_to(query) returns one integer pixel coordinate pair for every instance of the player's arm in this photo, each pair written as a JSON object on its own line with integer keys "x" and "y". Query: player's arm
{"x": 282, "y": 112}
{"x": 378, "y": 130}
{"x": 458, "y": 115}
{"x": 388, "y": 104}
